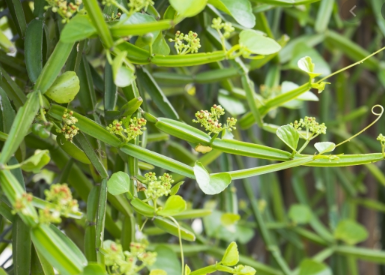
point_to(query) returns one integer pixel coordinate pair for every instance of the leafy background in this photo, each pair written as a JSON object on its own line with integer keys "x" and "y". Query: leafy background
{"x": 288, "y": 217}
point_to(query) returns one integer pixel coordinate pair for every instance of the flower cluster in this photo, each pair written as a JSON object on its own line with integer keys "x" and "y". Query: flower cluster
{"x": 63, "y": 8}
{"x": 69, "y": 128}
{"x": 127, "y": 262}
{"x": 157, "y": 187}
{"x": 186, "y": 43}
{"x": 62, "y": 203}
{"x": 21, "y": 203}
{"x": 310, "y": 125}
{"x": 210, "y": 120}
{"x": 128, "y": 129}
{"x": 227, "y": 27}
{"x": 138, "y": 5}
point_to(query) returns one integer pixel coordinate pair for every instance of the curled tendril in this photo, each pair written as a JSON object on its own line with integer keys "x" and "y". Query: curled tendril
{"x": 367, "y": 127}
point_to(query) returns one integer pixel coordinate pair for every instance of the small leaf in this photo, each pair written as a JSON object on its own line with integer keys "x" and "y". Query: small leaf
{"x": 350, "y": 232}
{"x": 288, "y": 86}
{"x": 78, "y": 28}
{"x": 240, "y": 10}
{"x": 187, "y": 270}
{"x": 123, "y": 76}
{"x": 188, "y": 8}
{"x": 174, "y": 205}
{"x": 306, "y": 64}
{"x": 160, "y": 45}
{"x": 228, "y": 219}
{"x": 167, "y": 260}
{"x": 175, "y": 188}
{"x": 65, "y": 88}
{"x": 320, "y": 86}
{"x": 300, "y": 214}
{"x": 232, "y": 105}
{"x": 325, "y": 147}
{"x": 210, "y": 184}
{"x": 311, "y": 267}
{"x": 289, "y": 136}
{"x": 244, "y": 270}
{"x": 94, "y": 269}
{"x": 231, "y": 256}
{"x": 257, "y": 43}
{"x": 118, "y": 183}
{"x": 34, "y": 164}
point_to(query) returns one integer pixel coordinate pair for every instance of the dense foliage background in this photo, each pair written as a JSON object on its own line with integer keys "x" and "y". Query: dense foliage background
{"x": 304, "y": 220}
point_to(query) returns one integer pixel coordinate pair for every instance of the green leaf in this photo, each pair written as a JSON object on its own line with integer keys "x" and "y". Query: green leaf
{"x": 94, "y": 269}
{"x": 166, "y": 260}
{"x": 34, "y": 164}
{"x": 65, "y": 88}
{"x": 158, "y": 272}
{"x": 187, "y": 270}
{"x": 350, "y": 232}
{"x": 33, "y": 47}
{"x": 78, "y": 28}
{"x": 300, "y": 214}
{"x": 170, "y": 227}
{"x": 306, "y": 64}
{"x": 244, "y": 270}
{"x": 118, "y": 183}
{"x": 210, "y": 184}
{"x": 188, "y": 8}
{"x": 289, "y": 136}
{"x": 228, "y": 219}
{"x": 302, "y": 49}
{"x": 176, "y": 187}
{"x": 123, "y": 75}
{"x": 240, "y": 10}
{"x": 231, "y": 256}
{"x": 288, "y": 86}
{"x": 160, "y": 45}
{"x": 232, "y": 105}
{"x": 311, "y": 267}
{"x": 174, "y": 205}
{"x": 325, "y": 147}
{"x": 257, "y": 43}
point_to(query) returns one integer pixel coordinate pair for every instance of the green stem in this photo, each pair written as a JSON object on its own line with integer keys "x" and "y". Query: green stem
{"x": 350, "y": 66}
{"x": 180, "y": 242}
{"x": 303, "y": 146}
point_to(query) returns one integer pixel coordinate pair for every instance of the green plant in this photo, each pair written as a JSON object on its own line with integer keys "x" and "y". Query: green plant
{"x": 100, "y": 164}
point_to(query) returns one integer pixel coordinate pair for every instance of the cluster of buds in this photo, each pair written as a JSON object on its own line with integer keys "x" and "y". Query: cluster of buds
{"x": 61, "y": 199}
{"x": 381, "y": 139}
{"x": 310, "y": 125}
{"x": 128, "y": 129}
{"x": 138, "y": 5}
{"x": 157, "y": 186}
{"x": 210, "y": 120}
{"x": 21, "y": 203}
{"x": 125, "y": 262}
{"x": 186, "y": 43}
{"x": 69, "y": 128}
{"x": 227, "y": 27}
{"x": 63, "y": 8}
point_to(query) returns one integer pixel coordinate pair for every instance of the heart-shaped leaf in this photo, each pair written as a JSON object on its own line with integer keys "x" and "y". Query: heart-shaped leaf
{"x": 325, "y": 147}
{"x": 289, "y": 136}
{"x": 211, "y": 184}
{"x": 311, "y": 267}
{"x": 65, "y": 88}
{"x": 306, "y": 64}
{"x": 350, "y": 232}
{"x": 174, "y": 205}
{"x": 231, "y": 256}
{"x": 240, "y": 10}
{"x": 118, "y": 183}
{"x": 34, "y": 164}
{"x": 257, "y": 43}
{"x": 228, "y": 219}
{"x": 188, "y": 8}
